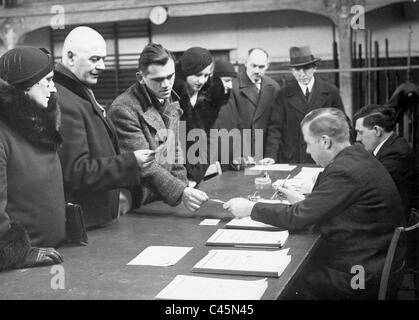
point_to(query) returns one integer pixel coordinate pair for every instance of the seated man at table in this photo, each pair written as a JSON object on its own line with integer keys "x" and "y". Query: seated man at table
{"x": 374, "y": 125}
{"x": 354, "y": 205}
{"x": 146, "y": 116}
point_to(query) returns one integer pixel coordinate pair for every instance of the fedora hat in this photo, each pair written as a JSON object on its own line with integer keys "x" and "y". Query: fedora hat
{"x": 301, "y": 56}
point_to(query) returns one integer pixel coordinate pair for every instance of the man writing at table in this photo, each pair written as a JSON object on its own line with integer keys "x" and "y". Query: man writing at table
{"x": 354, "y": 205}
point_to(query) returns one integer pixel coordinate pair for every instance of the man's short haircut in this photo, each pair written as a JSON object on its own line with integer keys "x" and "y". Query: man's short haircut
{"x": 260, "y": 49}
{"x": 328, "y": 121}
{"x": 376, "y": 115}
{"x": 153, "y": 53}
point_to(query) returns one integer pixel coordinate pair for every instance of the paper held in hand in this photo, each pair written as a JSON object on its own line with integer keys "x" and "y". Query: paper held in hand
{"x": 244, "y": 262}
{"x": 248, "y": 238}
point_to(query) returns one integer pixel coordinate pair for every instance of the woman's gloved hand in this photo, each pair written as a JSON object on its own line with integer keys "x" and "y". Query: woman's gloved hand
{"x": 37, "y": 257}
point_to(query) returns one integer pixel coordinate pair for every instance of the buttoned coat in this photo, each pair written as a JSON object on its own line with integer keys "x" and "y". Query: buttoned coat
{"x": 248, "y": 109}
{"x": 32, "y": 207}
{"x": 285, "y": 141}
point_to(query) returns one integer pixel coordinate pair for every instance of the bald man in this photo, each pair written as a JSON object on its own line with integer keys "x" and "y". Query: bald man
{"x": 93, "y": 168}
{"x": 251, "y": 103}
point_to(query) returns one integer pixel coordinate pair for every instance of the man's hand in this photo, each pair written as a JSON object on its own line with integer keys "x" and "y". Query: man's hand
{"x": 239, "y": 163}
{"x": 239, "y": 207}
{"x": 267, "y": 161}
{"x": 144, "y": 157}
{"x": 292, "y": 196}
{"x": 41, "y": 257}
{"x": 193, "y": 198}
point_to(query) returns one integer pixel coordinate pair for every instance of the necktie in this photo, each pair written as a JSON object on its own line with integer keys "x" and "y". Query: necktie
{"x": 307, "y": 94}
{"x": 257, "y": 85}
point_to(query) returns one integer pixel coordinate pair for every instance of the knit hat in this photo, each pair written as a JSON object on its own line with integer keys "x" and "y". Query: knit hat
{"x": 223, "y": 68}
{"x": 194, "y": 60}
{"x": 25, "y": 66}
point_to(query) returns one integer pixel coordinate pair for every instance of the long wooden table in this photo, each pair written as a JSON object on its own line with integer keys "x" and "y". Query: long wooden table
{"x": 100, "y": 270}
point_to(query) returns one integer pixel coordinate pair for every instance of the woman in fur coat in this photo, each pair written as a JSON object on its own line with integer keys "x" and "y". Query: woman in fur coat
{"x": 32, "y": 206}
{"x": 201, "y": 97}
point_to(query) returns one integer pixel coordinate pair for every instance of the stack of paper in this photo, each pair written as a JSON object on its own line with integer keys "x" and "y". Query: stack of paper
{"x": 244, "y": 262}
{"x": 250, "y": 224}
{"x": 198, "y": 288}
{"x": 248, "y": 238}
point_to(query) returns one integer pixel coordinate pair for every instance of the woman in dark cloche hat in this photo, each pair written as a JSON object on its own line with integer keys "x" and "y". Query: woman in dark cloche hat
{"x": 203, "y": 86}
{"x": 32, "y": 207}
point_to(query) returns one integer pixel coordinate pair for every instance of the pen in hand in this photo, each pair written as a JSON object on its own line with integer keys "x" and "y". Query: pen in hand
{"x": 286, "y": 179}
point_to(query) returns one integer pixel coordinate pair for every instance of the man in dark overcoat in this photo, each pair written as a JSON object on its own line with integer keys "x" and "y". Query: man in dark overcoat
{"x": 303, "y": 94}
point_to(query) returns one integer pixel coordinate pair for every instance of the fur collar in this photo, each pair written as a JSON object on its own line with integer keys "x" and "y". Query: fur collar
{"x": 210, "y": 99}
{"x": 23, "y": 115}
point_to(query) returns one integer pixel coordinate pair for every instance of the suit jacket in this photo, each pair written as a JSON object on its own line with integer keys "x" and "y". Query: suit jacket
{"x": 140, "y": 125}
{"x": 355, "y": 206}
{"x": 93, "y": 169}
{"x": 247, "y": 109}
{"x": 400, "y": 161}
{"x": 285, "y": 141}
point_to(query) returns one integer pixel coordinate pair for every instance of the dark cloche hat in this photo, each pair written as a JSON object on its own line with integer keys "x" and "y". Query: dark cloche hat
{"x": 194, "y": 60}
{"x": 223, "y": 68}
{"x": 25, "y": 66}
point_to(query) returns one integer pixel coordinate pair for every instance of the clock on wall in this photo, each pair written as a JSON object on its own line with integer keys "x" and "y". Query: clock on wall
{"x": 158, "y": 15}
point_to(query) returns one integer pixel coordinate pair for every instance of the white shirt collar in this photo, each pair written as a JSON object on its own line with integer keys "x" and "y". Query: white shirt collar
{"x": 309, "y": 86}
{"x": 377, "y": 148}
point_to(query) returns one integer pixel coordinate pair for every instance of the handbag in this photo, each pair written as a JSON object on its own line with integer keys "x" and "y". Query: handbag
{"x": 75, "y": 229}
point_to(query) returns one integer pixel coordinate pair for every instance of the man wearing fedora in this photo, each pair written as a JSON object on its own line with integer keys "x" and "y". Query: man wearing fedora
{"x": 305, "y": 93}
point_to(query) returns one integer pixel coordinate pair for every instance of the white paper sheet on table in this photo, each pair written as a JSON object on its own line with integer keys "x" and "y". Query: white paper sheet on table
{"x": 273, "y": 167}
{"x": 209, "y": 222}
{"x": 184, "y": 287}
{"x": 160, "y": 256}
